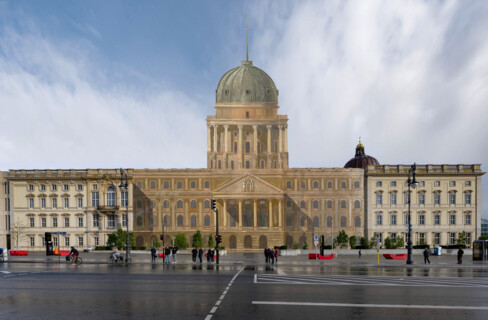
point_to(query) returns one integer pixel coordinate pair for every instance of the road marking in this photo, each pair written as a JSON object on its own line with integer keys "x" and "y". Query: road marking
{"x": 255, "y": 278}
{"x": 356, "y": 305}
{"x": 6, "y": 272}
{"x": 209, "y": 316}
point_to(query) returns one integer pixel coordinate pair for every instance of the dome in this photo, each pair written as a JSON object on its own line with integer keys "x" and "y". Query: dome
{"x": 246, "y": 83}
{"x": 361, "y": 160}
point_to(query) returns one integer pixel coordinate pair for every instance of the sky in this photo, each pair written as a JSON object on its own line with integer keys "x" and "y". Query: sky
{"x": 108, "y": 84}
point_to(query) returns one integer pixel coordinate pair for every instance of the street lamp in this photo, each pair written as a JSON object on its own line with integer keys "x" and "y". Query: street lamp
{"x": 124, "y": 185}
{"x": 411, "y": 183}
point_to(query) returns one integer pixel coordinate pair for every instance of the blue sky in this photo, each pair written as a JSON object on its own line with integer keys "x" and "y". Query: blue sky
{"x": 129, "y": 83}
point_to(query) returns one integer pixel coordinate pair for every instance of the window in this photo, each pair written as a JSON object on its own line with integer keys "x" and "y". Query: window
{"x": 393, "y": 184}
{"x": 452, "y": 218}
{"x": 343, "y": 222}
{"x": 235, "y": 147}
{"x": 452, "y": 183}
{"x": 139, "y": 204}
{"x": 393, "y": 236}
{"x": 206, "y": 221}
{"x": 43, "y": 241}
{"x": 407, "y": 198}
{"x": 66, "y": 202}
{"x": 357, "y": 222}
{"x": 379, "y": 183}
{"x": 80, "y": 241}
{"x": 343, "y": 185}
{"x": 303, "y": 222}
{"x": 80, "y": 222}
{"x": 316, "y": 222}
{"x": 43, "y": 202}
{"x": 153, "y": 184}
{"x": 80, "y": 202}
{"x": 31, "y": 203}
{"x": 248, "y": 147}
{"x": 193, "y": 221}
{"x": 193, "y": 204}
{"x": 206, "y": 184}
{"x": 343, "y": 204}
{"x": 95, "y": 187}
{"x": 379, "y": 199}
{"x": 329, "y": 222}
{"x": 437, "y": 219}
{"x": 421, "y": 237}
{"x": 206, "y": 204}
{"x": 422, "y": 184}
{"x": 111, "y": 197}
{"x": 422, "y": 219}
{"x": 248, "y": 164}
{"x": 356, "y": 184}
{"x": 66, "y": 241}
{"x": 111, "y": 221}
{"x": 95, "y": 199}
{"x": 259, "y": 146}
{"x": 303, "y": 185}
{"x": 43, "y": 187}
{"x": 467, "y": 197}
{"x": 55, "y": 241}
{"x": 452, "y": 198}
{"x": 421, "y": 198}
{"x": 288, "y": 203}
{"x": 165, "y": 184}
{"x": 407, "y": 220}
{"x": 179, "y": 185}
{"x": 288, "y": 184}
{"x": 437, "y": 183}
{"x": 80, "y": 187}
{"x": 166, "y": 204}
{"x": 379, "y": 219}
{"x": 55, "y": 203}
{"x": 315, "y": 184}
{"x": 329, "y": 204}
{"x": 232, "y": 164}
{"x": 96, "y": 220}
{"x": 393, "y": 219}
{"x": 31, "y": 222}
{"x": 393, "y": 198}
{"x": 193, "y": 184}
{"x": 437, "y": 238}
{"x": 329, "y": 184}
{"x": 468, "y": 238}
{"x": 357, "y": 204}
{"x": 66, "y": 222}
{"x": 467, "y": 183}
{"x": 303, "y": 205}
{"x": 97, "y": 241}
{"x": 452, "y": 238}
{"x": 66, "y": 187}
{"x": 55, "y": 222}
{"x": 467, "y": 219}
{"x": 43, "y": 222}
{"x": 54, "y": 187}
{"x": 31, "y": 187}
{"x": 32, "y": 241}
{"x": 124, "y": 220}
{"x": 437, "y": 198}
{"x": 315, "y": 204}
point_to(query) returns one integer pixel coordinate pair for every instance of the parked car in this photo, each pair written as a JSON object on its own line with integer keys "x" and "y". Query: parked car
{"x": 88, "y": 249}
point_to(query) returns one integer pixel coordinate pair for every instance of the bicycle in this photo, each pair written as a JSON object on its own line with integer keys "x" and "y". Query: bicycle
{"x": 113, "y": 260}
{"x": 70, "y": 260}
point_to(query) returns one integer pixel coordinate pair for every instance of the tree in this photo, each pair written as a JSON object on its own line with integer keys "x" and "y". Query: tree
{"x": 372, "y": 241}
{"x": 18, "y": 232}
{"x": 305, "y": 245}
{"x": 352, "y": 241}
{"x": 119, "y": 238}
{"x": 461, "y": 238}
{"x": 211, "y": 241}
{"x": 389, "y": 243}
{"x": 342, "y": 238}
{"x": 156, "y": 243}
{"x": 400, "y": 242}
{"x": 363, "y": 242}
{"x": 197, "y": 240}
{"x": 180, "y": 241}
{"x": 483, "y": 237}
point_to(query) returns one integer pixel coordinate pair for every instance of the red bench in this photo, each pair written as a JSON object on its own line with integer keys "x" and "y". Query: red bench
{"x": 161, "y": 255}
{"x": 394, "y": 256}
{"x": 19, "y": 252}
{"x": 314, "y": 256}
{"x": 64, "y": 252}
{"x": 215, "y": 256}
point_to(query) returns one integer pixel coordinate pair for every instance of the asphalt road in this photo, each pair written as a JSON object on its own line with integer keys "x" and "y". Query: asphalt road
{"x": 250, "y": 290}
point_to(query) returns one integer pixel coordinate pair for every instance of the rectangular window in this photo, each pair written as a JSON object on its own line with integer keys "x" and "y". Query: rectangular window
{"x": 421, "y": 219}
{"x": 31, "y": 203}
{"x": 393, "y": 219}
{"x": 55, "y": 187}
{"x": 124, "y": 198}
{"x": 437, "y": 183}
{"x": 393, "y": 198}
{"x": 393, "y": 236}
{"x": 468, "y": 238}
{"x": 55, "y": 241}
{"x": 43, "y": 222}
{"x": 467, "y": 219}
{"x": 43, "y": 187}
{"x": 247, "y": 164}
{"x": 379, "y": 219}
{"x": 31, "y": 222}
{"x": 248, "y": 147}
{"x": 452, "y": 219}
{"x": 66, "y": 241}
{"x": 219, "y": 164}
{"x": 468, "y": 183}
{"x": 452, "y": 183}
{"x": 66, "y": 187}
{"x": 55, "y": 222}
{"x": 379, "y": 199}
{"x": 66, "y": 202}
{"x": 379, "y": 183}
{"x": 80, "y": 222}
{"x": 95, "y": 199}
{"x": 43, "y": 202}
{"x": 452, "y": 198}
{"x": 452, "y": 238}
{"x": 55, "y": 203}
{"x": 111, "y": 221}
{"x": 437, "y": 198}
{"x": 421, "y": 198}
{"x": 124, "y": 220}
{"x": 262, "y": 164}
{"x": 437, "y": 219}
{"x": 206, "y": 184}
{"x": 80, "y": 187}
{"x": 97, "y": 241}
{"x": 407, "y": 220}
{"x": 95, "y": 187}
{"x": 393, "y": 184}
{"x": 96, "y": 220}
{"x": 422, "y": 237}
{"x": 153, "y": 184}
{"x": 467, "y": 198}
{"x": 32, "y": 241}
{"x": 289, "y": 184}
{"x": 66, "y": 222}
{"x": 80, "y": 241}
{"x": 422, "y": 184}
{"x": 407, "y": 198}
{"x": 43, "y": 241}
{"x": 437, "y": 238}
{"x": 80, "y": 202}
{"x": 31, "y": 187}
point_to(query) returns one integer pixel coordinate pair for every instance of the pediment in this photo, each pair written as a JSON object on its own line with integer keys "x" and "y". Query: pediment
{"x": 248, "y": 184}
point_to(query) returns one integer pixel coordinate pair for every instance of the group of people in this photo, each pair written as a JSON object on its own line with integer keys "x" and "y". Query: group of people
{"x": 459, "y": 256}
{"x": 271, "y": 255}
{"x": 169, "y": 254}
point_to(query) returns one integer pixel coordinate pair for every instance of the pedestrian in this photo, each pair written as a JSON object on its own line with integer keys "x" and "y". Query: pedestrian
{"x": 209, "y": 252}
{"x": 426, "y": 256}
{"x": 200, "y": 254}
{"x": 266, "y": 254}
{"x": 276, "y": 254}
{"x": 167, "y": 253}
{"x": 194, "y": 253}
{"x": 173, "y": 254}
{"x": 271, "y": 256}
{"x": 359, "y": 253}
{"x": 153, "y": 254}
{"x": 460, "y": 256}
{"x": 212, "y": 255}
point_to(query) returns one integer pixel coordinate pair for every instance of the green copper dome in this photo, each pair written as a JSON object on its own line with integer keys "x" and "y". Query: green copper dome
{"x": 246, "y": 83}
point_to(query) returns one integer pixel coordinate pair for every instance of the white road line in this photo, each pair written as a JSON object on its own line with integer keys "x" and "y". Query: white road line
{"x": 213, "y": 309}
{"x": 218, "y": 302}
{"x": 208, "y": 317}
{"x": 355, "y": 305}
{"x": 255, "y": 278}
{"x": 222, "y": 297}
{"x": 225, "y": 292}
{"x": 6, "y": 272}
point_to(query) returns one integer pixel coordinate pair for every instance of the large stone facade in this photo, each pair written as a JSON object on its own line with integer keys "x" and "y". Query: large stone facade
{"x": 4, "y": 211}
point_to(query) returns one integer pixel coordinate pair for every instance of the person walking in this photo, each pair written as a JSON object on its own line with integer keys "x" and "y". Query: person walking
{"x": 277, "y": 252}
{"x": 153, "y": 254}
{"x": 460, "y": 256}
{"x": 426, "y": 256}
{"x": 200, "y": 254}
{"x": 359, "y": 253}
{"x": 271, "y": 256}
{"x": 167, "y": 253}
{"x": 266, "y": 254}
{"x": 212, "y": 255}
{"x": 209, "y": 253}
{"x": 194, "y": 253}
{"x": 173, "y": 254}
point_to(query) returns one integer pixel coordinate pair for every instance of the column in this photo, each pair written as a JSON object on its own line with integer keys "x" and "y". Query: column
{"x": 239, "y": 148}
{"x": 270, "y": 215}
{"x": 255, "y": 213}
{"x": 209, "y": 141}
{"x": 255, "y": 147}
{"x": 286, "y": 138}
{"x": 215, "y": 139}
{"x": 173, "y": 218}
{"x": 280, "y": 204}
{"x": 269, "y": 138}
{"x": 280, "y": 141}
{"x": 240, "y": 213}
{"x": 224, "y": 215}
{"x": 200, "y": 214}
{"x": 226, "y": 138}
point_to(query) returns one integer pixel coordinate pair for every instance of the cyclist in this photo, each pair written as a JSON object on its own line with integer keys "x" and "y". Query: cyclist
{"x": 115, "y": 253}
{"x": 74, "y": 253}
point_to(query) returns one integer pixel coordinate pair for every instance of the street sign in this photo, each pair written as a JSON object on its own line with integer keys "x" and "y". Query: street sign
{"x": 315, "y": 239}
{"x": 62, "y": 233}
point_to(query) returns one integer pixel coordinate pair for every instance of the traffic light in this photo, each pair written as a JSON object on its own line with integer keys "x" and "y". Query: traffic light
{"x": 213, "y": 204}
{"x": 218, "y": 239}
{"x": 161, "y": 237}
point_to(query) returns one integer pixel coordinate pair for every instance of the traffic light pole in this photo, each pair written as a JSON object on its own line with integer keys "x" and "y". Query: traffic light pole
{"x": 217, "y": 234}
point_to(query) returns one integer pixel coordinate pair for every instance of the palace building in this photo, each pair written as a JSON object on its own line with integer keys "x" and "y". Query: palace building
{"x": 261, "y": 201}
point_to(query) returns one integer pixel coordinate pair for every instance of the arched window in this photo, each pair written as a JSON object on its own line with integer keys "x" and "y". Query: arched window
{"x": 343, "y": 184}
{"x": 166, "y": 204}
{"x": 179, "y": 204}
{"x": 248, "y": 219}
{"x": 111, "y": 197}
{"x": 206, "y": 221}
{"x": 343, "y": 204}
{"x": 329, "y": 184}
{"x": 193, "y": 184}
{"x": 179, "y": 221}
{"x": 193, "y": 204}
{"x": 166, "y": 221}
{"x": 315, "y": 204}
{"x": 289, "y": 220}
{"x": 315, "y": 184}
{"x": 248, "y": 242}
{"x": 329, "y": 204}
{"x": 139, "y": 221}
{"x": 343, "y": 222}
{"x": 315, "y": 222}
{"x": 263, "y": 242}
{"x": 206, "y": 204}
{"x": 303, "y": 205}
{"x": 179, "y": 185}
{"x": 139, "y": 184}
{"x": 193, "y": 221}
{"x": 329, "y": 222}
{"x": 303, "y": 221}
{"x": 357, "y": 204}
{"x": 232, "y": 242}
{"x": 263, "y": 216}
{"x": 356, "y": 184}
{"x": 357, "y": 222}
{"x": 166, "y": 184}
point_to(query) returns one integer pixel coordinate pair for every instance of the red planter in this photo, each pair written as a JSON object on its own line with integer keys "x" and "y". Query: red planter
{"x": 64, "y": 252}
{"x": 395, "y": 256}
{"x": 19, "y": 252}
{"x": 161, "y": 255}
{"x": 314, "y": 256}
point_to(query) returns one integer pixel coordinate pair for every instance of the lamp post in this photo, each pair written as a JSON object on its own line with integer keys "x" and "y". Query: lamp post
{"x": 124, "y": 185}
{"x": 411, "y": 183}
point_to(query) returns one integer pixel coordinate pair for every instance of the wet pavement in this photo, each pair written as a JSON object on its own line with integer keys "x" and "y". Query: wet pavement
{"x": 243, "y": 287}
